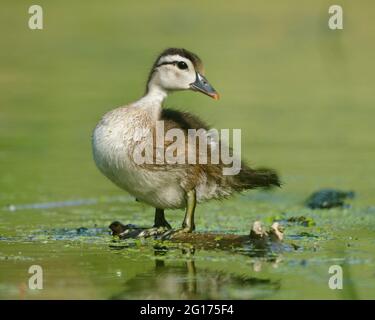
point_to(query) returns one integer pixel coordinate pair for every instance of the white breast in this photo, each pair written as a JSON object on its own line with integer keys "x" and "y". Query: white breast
{"x": 113, "y": 147}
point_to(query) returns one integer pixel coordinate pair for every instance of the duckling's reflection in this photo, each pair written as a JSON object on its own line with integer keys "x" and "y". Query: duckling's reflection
{"x": 183, "y": 280}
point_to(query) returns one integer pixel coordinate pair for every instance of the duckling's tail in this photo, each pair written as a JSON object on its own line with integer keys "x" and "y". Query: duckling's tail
{"x": 256, "y": 178}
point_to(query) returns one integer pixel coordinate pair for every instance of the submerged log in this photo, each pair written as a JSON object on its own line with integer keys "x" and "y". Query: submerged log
{"x": 259, "y": 237}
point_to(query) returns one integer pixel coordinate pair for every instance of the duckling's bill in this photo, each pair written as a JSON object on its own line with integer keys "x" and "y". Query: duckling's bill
{"x": 201, "y": 84}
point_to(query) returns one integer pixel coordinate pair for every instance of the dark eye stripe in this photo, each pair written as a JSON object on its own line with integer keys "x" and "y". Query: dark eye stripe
{"x": 176, "y": 63}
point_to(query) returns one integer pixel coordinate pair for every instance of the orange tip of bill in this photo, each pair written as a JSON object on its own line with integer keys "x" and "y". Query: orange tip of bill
{"x": 215, "y": 96}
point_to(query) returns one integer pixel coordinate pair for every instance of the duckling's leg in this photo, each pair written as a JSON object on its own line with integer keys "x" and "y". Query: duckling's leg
{"x": 160, "y": 220}
{"x": 188, "y": 225}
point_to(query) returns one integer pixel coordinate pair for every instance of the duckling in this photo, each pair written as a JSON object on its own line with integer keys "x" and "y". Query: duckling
{"x": 164, "y": 185}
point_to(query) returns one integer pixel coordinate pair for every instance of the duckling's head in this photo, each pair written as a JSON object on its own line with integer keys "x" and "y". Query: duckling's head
{"x": 179, "y": 69}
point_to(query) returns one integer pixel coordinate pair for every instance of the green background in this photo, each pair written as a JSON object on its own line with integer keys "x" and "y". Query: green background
{"x": 302, "y": 94}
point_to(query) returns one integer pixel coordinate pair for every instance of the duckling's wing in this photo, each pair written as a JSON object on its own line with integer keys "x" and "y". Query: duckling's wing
{"x": 182, "y": 120}
{"x": 223, "y": 185}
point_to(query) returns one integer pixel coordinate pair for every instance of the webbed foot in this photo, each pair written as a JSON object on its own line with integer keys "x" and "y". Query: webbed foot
{"x": 153, "y": 232}
{"x": 175, "y": 233}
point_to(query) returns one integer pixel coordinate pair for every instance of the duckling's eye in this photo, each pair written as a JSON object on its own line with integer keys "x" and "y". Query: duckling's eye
{"x": 182, "y": 65}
